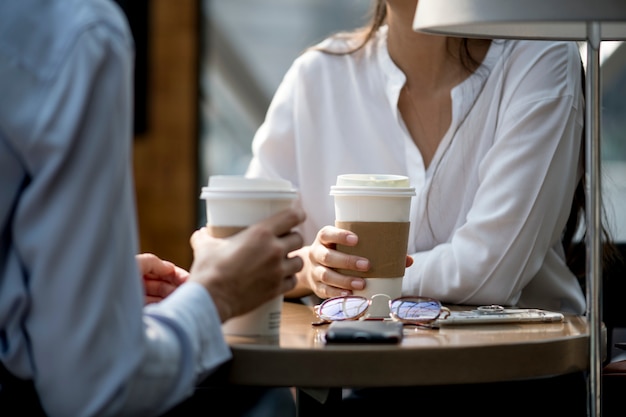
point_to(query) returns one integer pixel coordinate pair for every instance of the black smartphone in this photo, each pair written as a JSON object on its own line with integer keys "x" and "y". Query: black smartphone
{"x": 364, "y": 331}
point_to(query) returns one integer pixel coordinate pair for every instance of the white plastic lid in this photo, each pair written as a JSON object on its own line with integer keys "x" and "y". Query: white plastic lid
{"x": 240, "y": 182}
{"x": 373, "y": 180}
{"x": 372, "y": 185}
{"x": 238, "y": 186}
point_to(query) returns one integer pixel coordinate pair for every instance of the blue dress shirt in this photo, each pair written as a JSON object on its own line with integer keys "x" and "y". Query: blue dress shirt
{"x": 71, "y": 300}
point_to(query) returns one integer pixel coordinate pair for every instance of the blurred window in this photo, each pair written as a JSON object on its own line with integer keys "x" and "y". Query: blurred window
{"x": 248, "y": 45}
{"x": 613, "y": 131}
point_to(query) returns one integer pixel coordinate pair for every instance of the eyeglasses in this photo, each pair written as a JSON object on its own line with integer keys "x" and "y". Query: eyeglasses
{"x": 417, "y": 311}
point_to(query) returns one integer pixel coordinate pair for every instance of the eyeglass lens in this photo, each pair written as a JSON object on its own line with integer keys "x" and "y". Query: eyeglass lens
{"x": 343, "y": 308}
{"x": 416, "y": 309}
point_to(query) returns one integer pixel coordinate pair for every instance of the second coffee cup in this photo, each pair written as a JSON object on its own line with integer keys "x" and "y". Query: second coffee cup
{"x": 233, "y": 203}
{"x": 377, "y": 208}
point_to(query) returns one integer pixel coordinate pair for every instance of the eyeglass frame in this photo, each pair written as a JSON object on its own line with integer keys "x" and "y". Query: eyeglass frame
{"x": 429, "y": 323}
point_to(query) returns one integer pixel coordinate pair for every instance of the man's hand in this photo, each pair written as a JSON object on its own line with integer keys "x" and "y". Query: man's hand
{"x": 245, "y": 270}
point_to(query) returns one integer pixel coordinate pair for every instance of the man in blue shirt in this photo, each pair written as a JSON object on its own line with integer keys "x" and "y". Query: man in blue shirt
{"x": 73, "y": 324}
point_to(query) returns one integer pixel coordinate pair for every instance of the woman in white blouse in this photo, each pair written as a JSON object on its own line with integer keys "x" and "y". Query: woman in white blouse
{"x": 489, "y": 133}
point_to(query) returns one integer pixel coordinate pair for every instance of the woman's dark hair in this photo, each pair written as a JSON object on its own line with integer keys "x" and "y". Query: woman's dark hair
{"x": 378, "y": 16}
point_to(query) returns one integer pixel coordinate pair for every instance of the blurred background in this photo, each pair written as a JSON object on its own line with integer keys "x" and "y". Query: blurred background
{"x": 248, "y": 47}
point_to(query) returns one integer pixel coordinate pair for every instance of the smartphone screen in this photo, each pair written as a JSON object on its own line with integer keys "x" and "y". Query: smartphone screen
{"x": 364, "y": 331}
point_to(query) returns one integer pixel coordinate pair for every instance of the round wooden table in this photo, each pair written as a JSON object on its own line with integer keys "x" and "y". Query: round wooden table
{"x": 450, "y": 355}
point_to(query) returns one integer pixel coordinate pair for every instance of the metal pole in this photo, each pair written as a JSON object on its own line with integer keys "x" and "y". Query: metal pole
{"x": 593, "y": 219}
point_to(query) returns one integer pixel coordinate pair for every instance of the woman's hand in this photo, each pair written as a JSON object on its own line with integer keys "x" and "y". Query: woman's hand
{"x": 160, "y": 278}
{"x": 320, "y": 274}
{"x": 323, "y": 260}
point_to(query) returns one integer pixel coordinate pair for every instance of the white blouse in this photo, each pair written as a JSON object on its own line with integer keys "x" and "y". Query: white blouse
{"x": 487, "y": 220}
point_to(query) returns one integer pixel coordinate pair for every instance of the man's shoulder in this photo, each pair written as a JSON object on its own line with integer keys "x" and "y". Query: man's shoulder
{"x": 37, "y": 35}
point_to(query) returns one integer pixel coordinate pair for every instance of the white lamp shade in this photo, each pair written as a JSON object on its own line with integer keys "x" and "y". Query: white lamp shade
{"x": 522, "y": 19}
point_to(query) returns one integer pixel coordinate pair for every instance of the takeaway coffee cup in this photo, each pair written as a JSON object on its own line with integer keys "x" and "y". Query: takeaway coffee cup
{"x": 377, "y": 208}
{"x": 233, "y": 203}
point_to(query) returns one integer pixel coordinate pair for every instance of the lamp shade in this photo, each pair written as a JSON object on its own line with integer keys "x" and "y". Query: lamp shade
{"x": 522, "y": 19}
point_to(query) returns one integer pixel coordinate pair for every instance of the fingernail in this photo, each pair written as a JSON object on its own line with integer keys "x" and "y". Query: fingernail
{"x": 362, "y": 264}
{"x": 351, "y": 239}
{"x": 357, "y": 284}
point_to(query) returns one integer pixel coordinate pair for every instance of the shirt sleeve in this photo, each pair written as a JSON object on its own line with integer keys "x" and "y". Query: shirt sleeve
{"x": 525, "y": 187}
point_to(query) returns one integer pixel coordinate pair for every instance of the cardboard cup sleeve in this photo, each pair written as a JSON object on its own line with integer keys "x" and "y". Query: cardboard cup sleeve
{"x": 383, "y": 243}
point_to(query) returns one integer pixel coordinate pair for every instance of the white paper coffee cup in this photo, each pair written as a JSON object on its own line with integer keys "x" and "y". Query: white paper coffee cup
{"x": 377, "y": 207}
{"x": 234, "y": 202}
